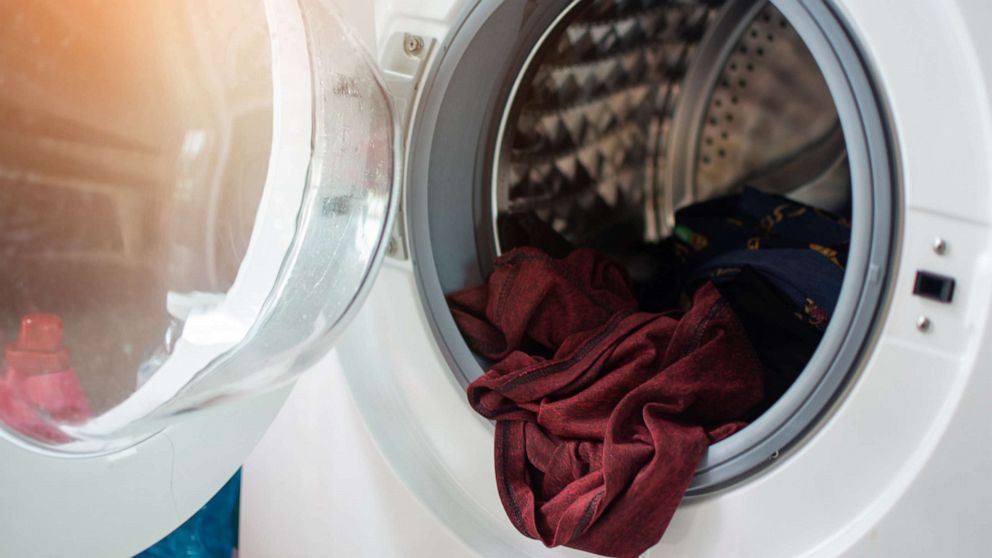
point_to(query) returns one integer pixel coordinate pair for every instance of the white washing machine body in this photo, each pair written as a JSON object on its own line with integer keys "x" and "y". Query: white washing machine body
{"x": 899, "y": 464}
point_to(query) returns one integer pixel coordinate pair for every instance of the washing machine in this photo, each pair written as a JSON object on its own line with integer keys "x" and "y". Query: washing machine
{"x": 201, "y": 199}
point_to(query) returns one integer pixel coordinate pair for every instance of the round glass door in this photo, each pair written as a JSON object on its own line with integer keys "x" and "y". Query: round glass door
{"x": 194, "y": 196}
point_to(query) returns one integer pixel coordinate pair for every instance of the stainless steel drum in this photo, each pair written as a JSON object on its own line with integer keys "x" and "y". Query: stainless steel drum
{"x": 631, "y": 110}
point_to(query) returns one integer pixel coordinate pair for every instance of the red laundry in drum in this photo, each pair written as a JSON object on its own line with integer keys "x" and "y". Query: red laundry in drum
{"x": 39, "y": 387}
{"x": 602, "y": 413}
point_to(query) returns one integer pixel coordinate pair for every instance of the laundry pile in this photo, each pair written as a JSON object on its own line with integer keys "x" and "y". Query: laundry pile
{"x": 606, "y": 394}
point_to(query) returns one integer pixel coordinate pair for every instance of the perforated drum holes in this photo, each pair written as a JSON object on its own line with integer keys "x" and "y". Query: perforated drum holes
{"x": 771, "y": 103}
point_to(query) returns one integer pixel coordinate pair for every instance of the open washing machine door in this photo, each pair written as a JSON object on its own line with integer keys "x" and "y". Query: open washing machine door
{"x": 194, "y": 199}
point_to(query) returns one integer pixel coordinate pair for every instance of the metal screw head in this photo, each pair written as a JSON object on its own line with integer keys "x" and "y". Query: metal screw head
{"x": 391, "y": 247}
{"x": 939, "y": 246}
{"x": 923, "y": 324}
{"x": 413, "y": 45}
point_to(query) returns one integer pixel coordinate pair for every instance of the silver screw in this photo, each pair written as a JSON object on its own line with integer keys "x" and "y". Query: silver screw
{"x": 775, "y": 454}
{"x": 391, "y": 247}
{"x": 939, "y": 246}
{"x": 923, "y": 324}
{"x": 413, "y": 45}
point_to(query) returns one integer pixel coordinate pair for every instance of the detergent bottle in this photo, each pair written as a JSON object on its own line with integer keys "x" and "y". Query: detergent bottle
{"x": 39, "y": 387}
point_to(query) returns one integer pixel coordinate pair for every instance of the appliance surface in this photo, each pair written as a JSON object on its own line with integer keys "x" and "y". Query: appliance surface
{"x": 344, "y": 498}
{"x": 197, "y": 198}
{"x": 892, "y": 461}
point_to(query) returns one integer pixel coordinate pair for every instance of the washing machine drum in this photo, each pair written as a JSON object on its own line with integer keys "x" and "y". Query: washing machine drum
{"x": 607, "y": 117}
{"x": 624, "y": 115}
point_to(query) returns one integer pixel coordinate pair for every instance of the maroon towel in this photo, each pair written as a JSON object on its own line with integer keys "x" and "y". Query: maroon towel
{"x": 598, "y": 439}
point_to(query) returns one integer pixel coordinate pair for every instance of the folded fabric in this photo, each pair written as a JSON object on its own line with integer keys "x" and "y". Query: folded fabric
{"x": 603, "y": 413}
{"x": 799, "y": 249}
{"x": 782, "y": 337}
{"x": 755, "y": 220}
{"x": 808, "y": 280}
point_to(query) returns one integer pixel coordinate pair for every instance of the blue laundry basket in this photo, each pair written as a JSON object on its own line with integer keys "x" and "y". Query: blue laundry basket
{"x": 211, "y": 533}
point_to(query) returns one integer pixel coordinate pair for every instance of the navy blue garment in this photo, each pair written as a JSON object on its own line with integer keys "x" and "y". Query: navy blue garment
{"x": 755, "y": 220}
{"x": 779, "y": 263}
{"x": 211, "y": 533}
{"x": 782, "y": 338}
{"x": 808, "y": 279}
{"x": 799, "y": 249}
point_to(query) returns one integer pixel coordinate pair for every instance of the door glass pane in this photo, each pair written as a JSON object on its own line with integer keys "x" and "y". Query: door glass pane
{"x": 164, "y": 165}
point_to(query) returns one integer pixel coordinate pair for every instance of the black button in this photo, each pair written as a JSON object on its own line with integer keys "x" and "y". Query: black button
{"x": 933, "y": 286}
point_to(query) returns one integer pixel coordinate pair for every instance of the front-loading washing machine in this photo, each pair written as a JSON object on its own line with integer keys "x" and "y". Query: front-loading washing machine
{"x": 198, "y": 197}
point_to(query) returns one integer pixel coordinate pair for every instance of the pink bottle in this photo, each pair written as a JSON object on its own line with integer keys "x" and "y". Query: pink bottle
{"x": 40, "y": 387}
